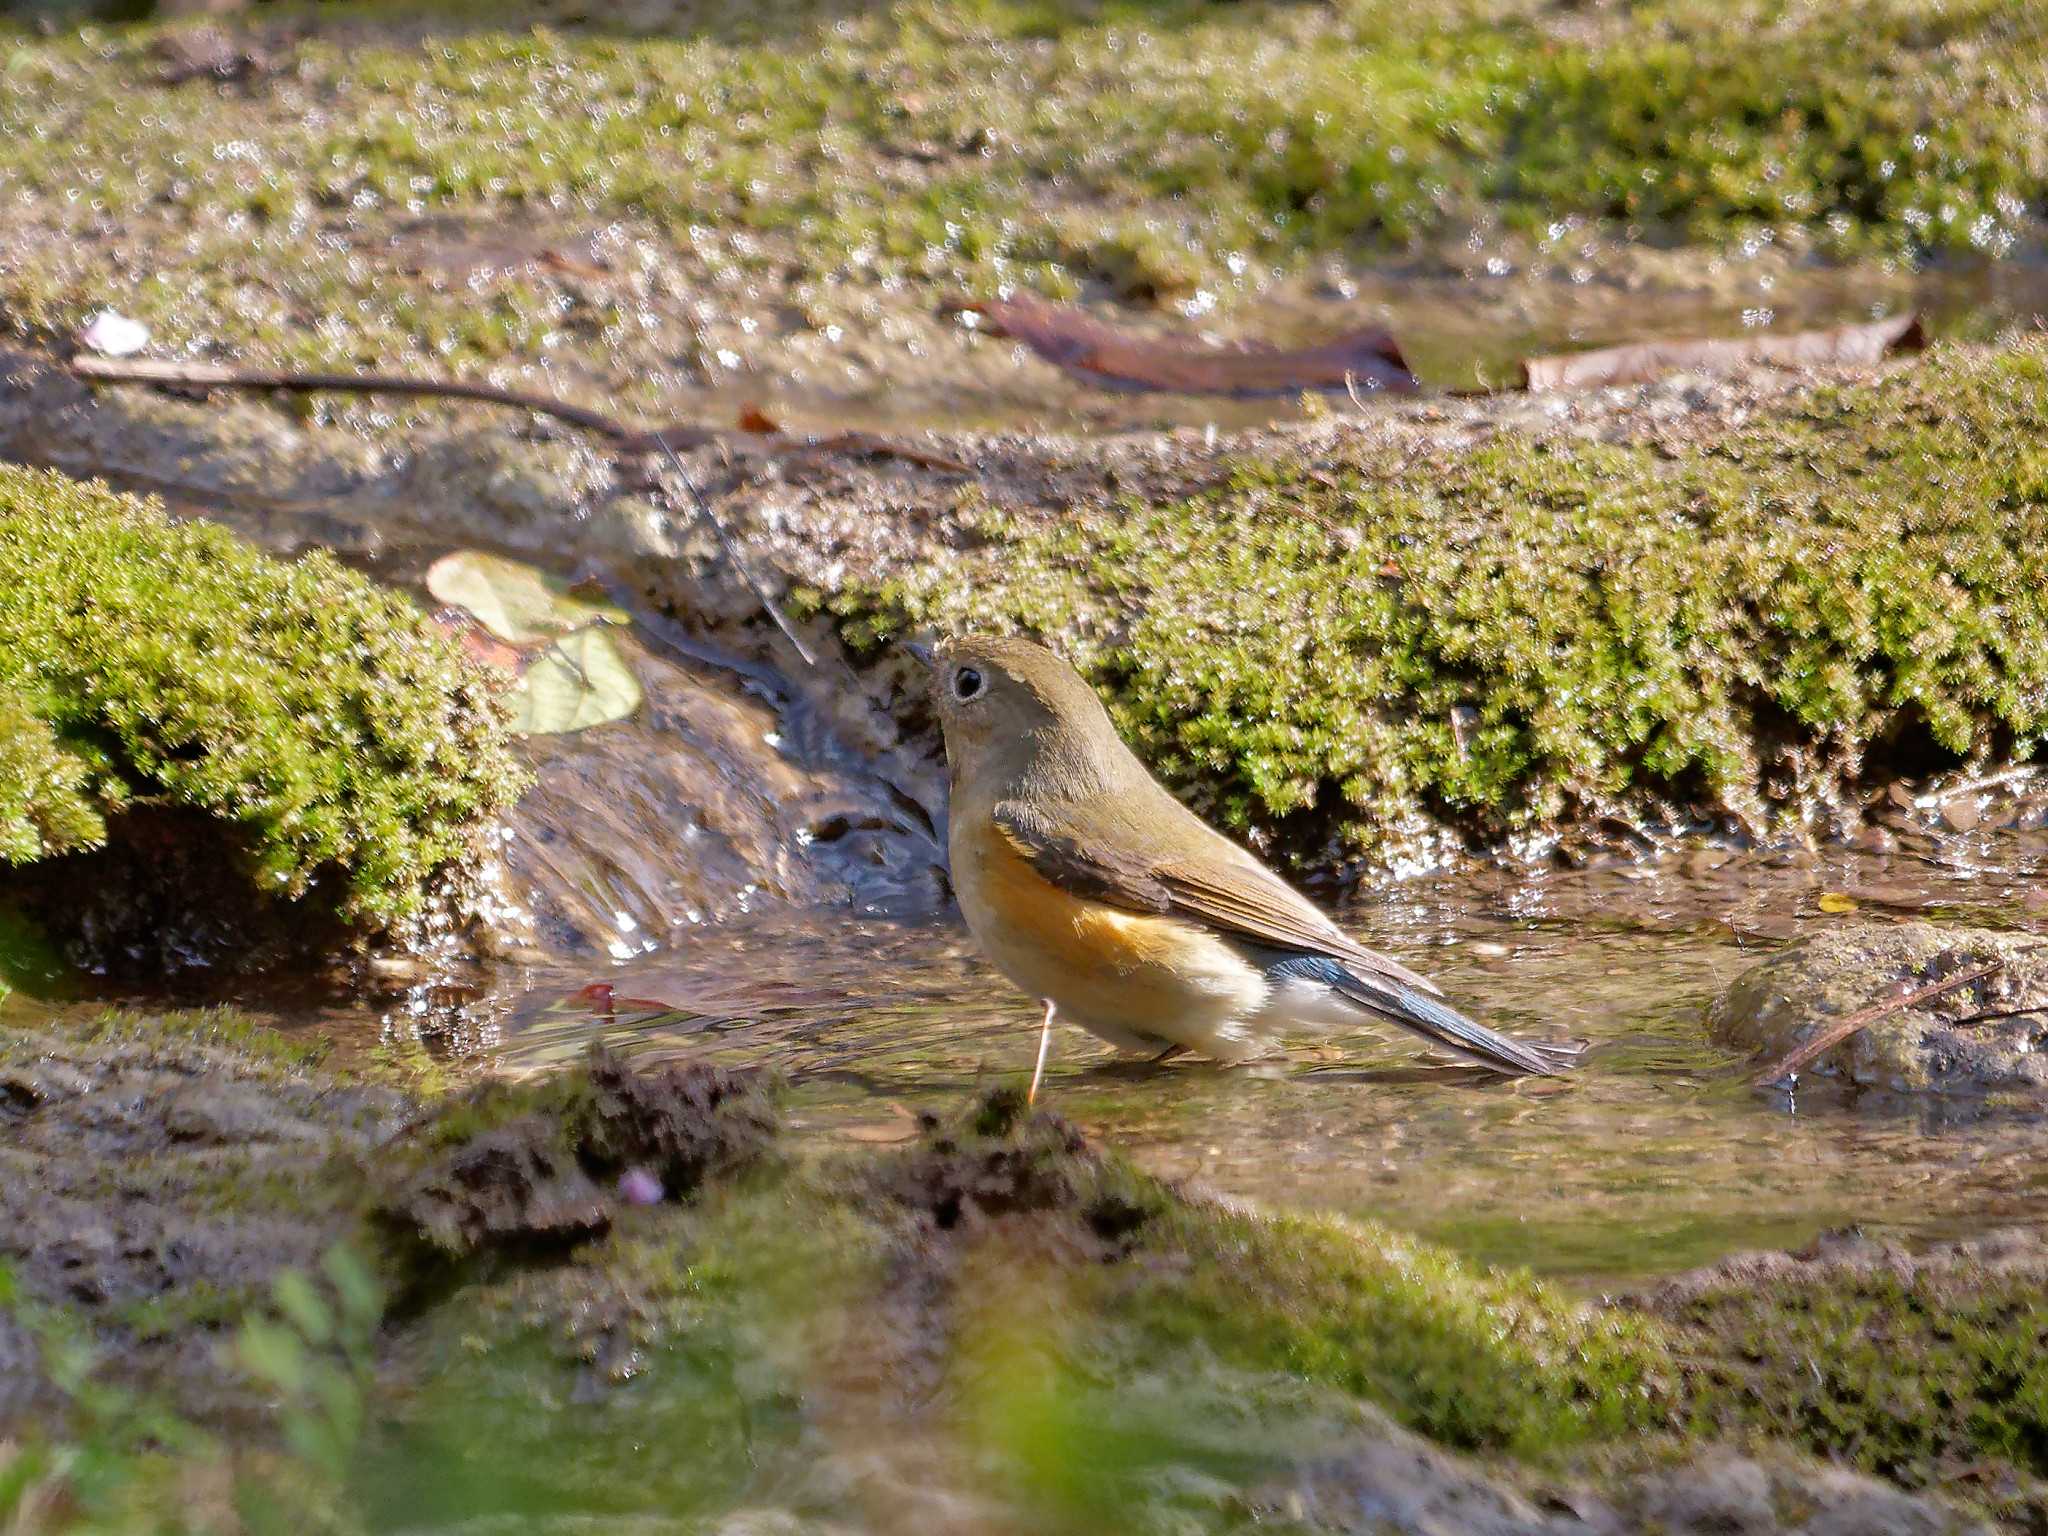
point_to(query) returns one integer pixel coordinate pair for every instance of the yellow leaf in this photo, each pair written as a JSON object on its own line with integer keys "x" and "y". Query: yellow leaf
{"x": 1835, "y": 901}
{"x": 580, "y": 681}
{"x": 515, "y": 602}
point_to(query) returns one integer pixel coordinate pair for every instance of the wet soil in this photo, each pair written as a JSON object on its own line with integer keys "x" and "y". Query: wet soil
{"x": 156, "y": 1178}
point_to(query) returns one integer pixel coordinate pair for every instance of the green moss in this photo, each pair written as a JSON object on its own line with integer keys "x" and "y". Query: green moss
{"x": 255, "y": 1046}
{"x": 1917, "y": 1379}
{"x": 947, "y": 143}
{"x": 1730, "y": 625}
{"x": 320, "y": 715}
{"x": 200, "y": 1305}
{"x": 1478, "y": 1359}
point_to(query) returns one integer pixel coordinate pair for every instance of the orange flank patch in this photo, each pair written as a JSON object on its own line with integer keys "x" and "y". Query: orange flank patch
{"x": 1129, "y": 970}
{"x": 1084, "y": 934}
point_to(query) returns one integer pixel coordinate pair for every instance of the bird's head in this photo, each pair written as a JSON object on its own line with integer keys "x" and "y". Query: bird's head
{"x": 1016, "y": 717}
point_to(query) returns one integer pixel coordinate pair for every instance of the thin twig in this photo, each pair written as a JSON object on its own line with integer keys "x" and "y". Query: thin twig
{"x": 108, "y": 370}
{"x": 732, "y": 553}
{"x": 1797, "y": 1058}
{"x": 118, "y": 370}
{"x": 1996, "y": 1013}
{"x": 630, "y": 439}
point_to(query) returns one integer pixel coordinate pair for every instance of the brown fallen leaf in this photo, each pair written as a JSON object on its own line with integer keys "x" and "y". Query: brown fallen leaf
{"x": 1845, "y": 346}
{"x": 754, "y": 419}
{"x": 479, "y": 643}
{"x": 554, "y": 259}
{"x": 1078, "y": 342}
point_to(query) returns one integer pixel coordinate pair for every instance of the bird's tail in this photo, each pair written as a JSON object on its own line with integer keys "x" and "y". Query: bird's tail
{"x": 1454, "y": 1034}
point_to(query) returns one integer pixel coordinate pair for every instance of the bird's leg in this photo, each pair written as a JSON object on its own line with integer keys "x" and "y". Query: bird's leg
{"x": 1044, "y": 1045}
{"x": 1167, "y": 1055}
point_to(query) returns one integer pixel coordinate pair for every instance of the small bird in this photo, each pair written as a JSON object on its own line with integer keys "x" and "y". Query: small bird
{"x": 1097, "y": 892}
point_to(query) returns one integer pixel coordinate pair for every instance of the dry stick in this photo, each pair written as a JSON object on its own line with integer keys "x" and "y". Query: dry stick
{"x": 212, "y": 376}
{"x": 1797, "y": 1058}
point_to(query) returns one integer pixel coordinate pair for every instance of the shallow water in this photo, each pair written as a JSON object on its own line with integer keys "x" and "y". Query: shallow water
{"x": 1655, "y": 1156}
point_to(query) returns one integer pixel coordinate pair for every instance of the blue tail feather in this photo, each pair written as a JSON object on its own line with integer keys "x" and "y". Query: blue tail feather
{"x": 1433, "y": 1019}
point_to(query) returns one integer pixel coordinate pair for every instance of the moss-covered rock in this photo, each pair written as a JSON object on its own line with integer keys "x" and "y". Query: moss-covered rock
{"x": 1983, "y": 1036}
{"x": 1362, "y": 633}
{"x": 1925, "y": 1369}
{"x": 168, "y": 680}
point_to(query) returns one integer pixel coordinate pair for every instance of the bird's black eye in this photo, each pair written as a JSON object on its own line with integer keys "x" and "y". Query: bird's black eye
{"x": 967, "y": 683}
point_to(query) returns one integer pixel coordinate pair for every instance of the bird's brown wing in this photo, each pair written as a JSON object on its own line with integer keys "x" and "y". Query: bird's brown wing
{"x": 1101, "y": 852}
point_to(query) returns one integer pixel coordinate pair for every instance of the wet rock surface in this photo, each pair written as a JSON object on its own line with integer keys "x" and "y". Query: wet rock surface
{"x": 1396, "y": 1482}
{"x": 1981, "y": 1037}
{"x": 156, "y": 1179}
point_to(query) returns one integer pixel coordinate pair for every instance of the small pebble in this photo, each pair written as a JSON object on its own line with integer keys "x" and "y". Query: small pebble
{"x": 639, "y": 1187}
{"x": 113, "y": 335}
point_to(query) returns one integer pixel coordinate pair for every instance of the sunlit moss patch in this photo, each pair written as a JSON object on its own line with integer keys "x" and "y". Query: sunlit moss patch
{"x": 1347, "y": 641}
{"x": 147, "y": 665}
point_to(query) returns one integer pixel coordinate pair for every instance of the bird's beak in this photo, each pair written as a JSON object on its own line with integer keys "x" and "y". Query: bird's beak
{"x": 924, "y": 653}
